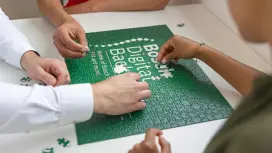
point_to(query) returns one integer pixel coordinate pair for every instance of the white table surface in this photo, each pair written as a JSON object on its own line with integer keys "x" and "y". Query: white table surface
{"x": 200, "y": 25}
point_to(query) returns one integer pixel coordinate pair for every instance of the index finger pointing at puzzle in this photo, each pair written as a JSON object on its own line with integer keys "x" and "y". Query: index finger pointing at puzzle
{"x": 151, "y": 134}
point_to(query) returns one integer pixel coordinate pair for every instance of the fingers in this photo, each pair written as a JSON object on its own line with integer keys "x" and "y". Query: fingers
{"x": 169, "y": 57}
{"x": 165, "y": 49}
{"x": 137, "y": 106}
{"x": 62, "y": 80}
{"x": 144, "y": 94}
{"x": 165, "y": 145}
{"x": 66, "y": 39}
{"x": 59, "y": 70}
{"x": 149, "y": 144}
{"x": 66, "y": 52}
{"x": 151, "y": 134}
{"x": 143, "y": 85}
{"x": 68, "y": 79}
{"x": 47, "y": 78}
{"x": 135, "y": 76}
{"x": 136, "y": 149}
{"x": 83, "y": 40}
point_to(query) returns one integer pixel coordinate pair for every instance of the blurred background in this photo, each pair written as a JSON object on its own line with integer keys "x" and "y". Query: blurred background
{"x": 20, "y": 9}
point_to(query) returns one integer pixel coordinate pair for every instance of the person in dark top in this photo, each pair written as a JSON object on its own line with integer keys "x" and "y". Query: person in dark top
{"x": 249, "y": 128}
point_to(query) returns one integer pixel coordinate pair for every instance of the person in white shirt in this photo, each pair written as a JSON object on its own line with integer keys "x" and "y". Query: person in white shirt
{"x": 24, "y": 109}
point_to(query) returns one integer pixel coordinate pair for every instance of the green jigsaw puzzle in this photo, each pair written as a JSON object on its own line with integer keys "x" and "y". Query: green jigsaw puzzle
{"x": 181, "y": 93}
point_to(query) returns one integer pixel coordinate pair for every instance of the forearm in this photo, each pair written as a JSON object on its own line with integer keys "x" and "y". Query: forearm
{"x": 53, "y": 10}
{"x": 117, "y": 5}
{"x": 39, "y": 107}
{"x": 239, "y": 75}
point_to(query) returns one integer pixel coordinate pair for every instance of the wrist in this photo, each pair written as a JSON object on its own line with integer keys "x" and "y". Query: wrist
{"x": 97, "y": 97}
{"x": 200, "y": 51}
{"x": 27, "y": 58}
{"x": 66, "y": 19}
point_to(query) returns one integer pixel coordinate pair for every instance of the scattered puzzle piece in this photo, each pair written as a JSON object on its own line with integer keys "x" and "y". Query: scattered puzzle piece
{"x": 181, "y": 25}
{"x": 25, "y": 79}
{"x": 63, "y": 142}
{"x": 48, "y": 150}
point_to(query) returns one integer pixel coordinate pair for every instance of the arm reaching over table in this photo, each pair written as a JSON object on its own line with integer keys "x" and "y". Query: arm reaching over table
{"x": 24, "y": 108}
{"x": 239, "y": 75}
{"x": 31, "y": 108}
{"x": 68, "y": 30}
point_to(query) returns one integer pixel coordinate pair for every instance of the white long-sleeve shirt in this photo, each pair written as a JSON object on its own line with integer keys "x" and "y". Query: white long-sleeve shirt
{"x": 24, "y": 109}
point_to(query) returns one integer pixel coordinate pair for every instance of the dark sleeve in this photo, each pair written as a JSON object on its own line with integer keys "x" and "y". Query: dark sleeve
{"x": 255, "y": 137}
{"x": 249, "y": 128}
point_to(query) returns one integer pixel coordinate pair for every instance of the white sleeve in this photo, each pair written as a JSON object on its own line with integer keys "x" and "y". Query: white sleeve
{"x": 13, "y": 44}
{"x": 24, "y": 109}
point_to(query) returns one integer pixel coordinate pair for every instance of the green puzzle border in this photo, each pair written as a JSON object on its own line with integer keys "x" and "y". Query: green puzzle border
{"x": 189, "y": 65}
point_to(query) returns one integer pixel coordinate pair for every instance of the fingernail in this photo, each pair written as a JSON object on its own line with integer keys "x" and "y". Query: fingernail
{"x": 83, "y": 49}
{"x": 142, "y": 100}
{"x": 164, "y": 61}
{"x": 84, "y": 54}
{"x": 87, "y": 48}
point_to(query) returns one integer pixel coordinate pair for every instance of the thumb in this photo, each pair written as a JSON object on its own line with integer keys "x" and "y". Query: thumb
{"x": 47, "y": 78}
{"x": 83, "y": 40}
{"x": 169, "y": 57}
{"x": 165, "y": 146}
{"x": 166, "y": 48}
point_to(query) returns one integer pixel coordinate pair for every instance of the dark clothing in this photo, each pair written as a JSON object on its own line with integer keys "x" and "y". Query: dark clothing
{"x": 249, "y": 129}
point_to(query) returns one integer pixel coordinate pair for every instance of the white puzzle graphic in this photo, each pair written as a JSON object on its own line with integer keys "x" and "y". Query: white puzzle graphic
{"x": 120, "y": 69}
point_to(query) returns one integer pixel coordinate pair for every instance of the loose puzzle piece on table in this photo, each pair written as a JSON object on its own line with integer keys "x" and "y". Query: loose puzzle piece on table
{"x": 181, "y": 93}
{"x": 27, "y": 81}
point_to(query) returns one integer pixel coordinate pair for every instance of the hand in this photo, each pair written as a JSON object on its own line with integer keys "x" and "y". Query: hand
{"x": 149, "y": 144}
{"x": 178, "y": 47}
{"x": 120, "y": 94}
{"x": 50, "y": 71}
{"x": 65, "y": 36}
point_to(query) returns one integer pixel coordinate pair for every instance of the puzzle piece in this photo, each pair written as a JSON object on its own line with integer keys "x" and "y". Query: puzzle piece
{"x": 181, "y": 25}
{"x": 48, "y": 150}
{"x": 25, "y": 79}
{"x": 63, "y": 142}
{"x": 42, "y": 84}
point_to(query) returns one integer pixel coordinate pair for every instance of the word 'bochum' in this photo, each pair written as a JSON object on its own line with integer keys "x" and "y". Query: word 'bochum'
{"x": 136, "y": 59}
